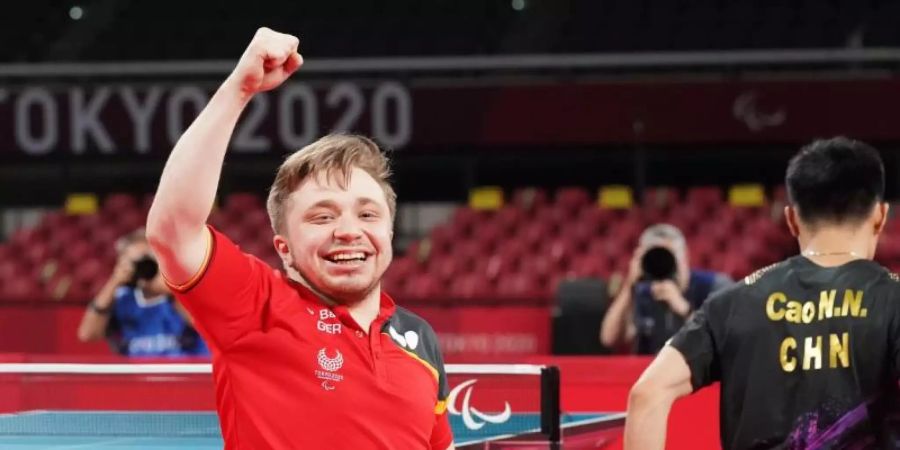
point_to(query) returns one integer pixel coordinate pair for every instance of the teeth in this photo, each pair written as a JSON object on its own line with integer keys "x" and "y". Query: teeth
{"x": 348, "y": 256}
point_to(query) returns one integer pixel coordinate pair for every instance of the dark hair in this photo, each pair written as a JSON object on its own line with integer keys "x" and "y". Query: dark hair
{"x": 835, "y": 180}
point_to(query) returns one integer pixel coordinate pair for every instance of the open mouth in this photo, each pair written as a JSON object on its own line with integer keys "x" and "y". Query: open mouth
{"x": 347, "y": 258}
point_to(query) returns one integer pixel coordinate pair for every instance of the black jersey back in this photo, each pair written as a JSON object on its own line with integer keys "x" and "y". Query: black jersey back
{"x": 808, "y": 357}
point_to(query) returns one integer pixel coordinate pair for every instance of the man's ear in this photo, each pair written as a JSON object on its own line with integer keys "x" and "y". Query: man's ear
{"x": 881, "y": 217}
{"x": 283, "y": 249}
{"x": 793, "y": 222}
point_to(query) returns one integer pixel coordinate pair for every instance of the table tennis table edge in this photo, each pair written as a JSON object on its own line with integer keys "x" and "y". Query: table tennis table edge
{"x": 613, "y": 418}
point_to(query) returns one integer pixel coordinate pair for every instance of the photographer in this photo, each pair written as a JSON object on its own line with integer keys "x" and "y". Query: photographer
{"x": 658, "y": 294}
{"x": 135, "y": 310}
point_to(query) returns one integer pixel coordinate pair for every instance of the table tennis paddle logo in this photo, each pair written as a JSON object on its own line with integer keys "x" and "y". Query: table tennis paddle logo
{"x": 472, "y": 418}
{"x": 409, "y": 340}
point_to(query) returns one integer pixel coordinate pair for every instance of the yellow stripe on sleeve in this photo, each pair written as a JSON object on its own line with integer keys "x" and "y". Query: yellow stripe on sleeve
{"x": 184, "y": 287}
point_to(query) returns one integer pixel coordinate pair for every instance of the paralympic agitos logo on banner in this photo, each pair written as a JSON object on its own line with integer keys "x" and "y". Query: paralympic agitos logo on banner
{"x": 472, "y": 418}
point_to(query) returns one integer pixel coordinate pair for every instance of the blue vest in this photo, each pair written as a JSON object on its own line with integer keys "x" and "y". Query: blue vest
{"x": 151, "y": 327}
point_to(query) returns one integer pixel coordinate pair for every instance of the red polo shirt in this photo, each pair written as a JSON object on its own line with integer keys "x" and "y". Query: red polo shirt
{"x": 294, "y": 373}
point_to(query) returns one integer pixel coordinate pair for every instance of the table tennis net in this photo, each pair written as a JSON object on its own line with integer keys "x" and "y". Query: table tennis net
{"x": 149, "y": 400}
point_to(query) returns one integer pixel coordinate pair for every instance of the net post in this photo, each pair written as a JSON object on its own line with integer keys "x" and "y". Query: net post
{"x": 550, "y": 407}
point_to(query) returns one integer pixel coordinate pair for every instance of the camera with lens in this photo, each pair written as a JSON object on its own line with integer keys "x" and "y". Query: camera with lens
{"x": 658, "y": 264}
{"x": 145, "y": 268}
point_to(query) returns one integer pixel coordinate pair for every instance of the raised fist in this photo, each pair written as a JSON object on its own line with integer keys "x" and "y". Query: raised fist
{"x": 270, "y": 59}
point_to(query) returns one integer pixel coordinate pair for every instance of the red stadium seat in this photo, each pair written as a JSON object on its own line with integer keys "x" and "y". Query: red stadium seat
{"x": 272, "y": 260}
{"x": 236, "y": 232}
{"x": 446, "y": 267}
{"x": 561, "y": 250}
{"x": 120, "y": 202}
{"x": 255, "y": 248}
{"x": 659, "y": 198}
{"x": 713, "y": 235}
{"x": 11, "y": 269}
{"x": 217, "y": 218}
{"x": 488, "y": 235}
{"x": 497, "y": 265}
{"x": 581, "y": 231}
{"x": 701, "y": 249}
{"x": 392, "y": 285}
{"x": 609, "y": 248}
{"x": 599, "y": 217}
{"x": 129, "y": 221}
{"x": 58, "y": 220}
{"x": 442, "y": 238}
{"x": 705, "y": 196}
{"x": 21, "y": 289}
{"x": 86, "y": 291}
{"x": 689, "y": 215}
{"x": 572, "y": 198}
{"x": 465, "y": 219}
{"x": 37, "y": 252}
{"x": 509, "y": 218}
{"x": 78, "y": 252}
{"x": 424, "y": 287}
{"x": 402, "y": 268}
{"x": 257, "y": 219}
{"x": 520, "y": 287}
{"x": 539, "y": 267}
{"x": 470, "y": 286}
{"x": 506, "y": 259}
{"x": 889, "y": 249}
{"x": 243, "y": 202}
{"x": 527, "y": 199}
{"x": 559, "y": 215}
{"x": 105, "y": 236}
{"x": 533, "y": 233}
{"x": 625, "y": 233}
{"x": 470, "y": 250}
{"x": 91, "y": 222}
{"x": 29, "y": 236}
{"x": 754, "y": 251}
{"x": 588, "y": 265}
{"x": 736, "y": 266}
{"x": 746, "y": 214}
{"x": 90, "y": 270}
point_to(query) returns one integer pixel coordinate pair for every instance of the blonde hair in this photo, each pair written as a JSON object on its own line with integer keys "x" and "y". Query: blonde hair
{"x": 334, "y": 155}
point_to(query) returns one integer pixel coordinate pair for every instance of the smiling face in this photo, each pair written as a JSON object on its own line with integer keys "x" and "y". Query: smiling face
{"x": 338, "y": 239}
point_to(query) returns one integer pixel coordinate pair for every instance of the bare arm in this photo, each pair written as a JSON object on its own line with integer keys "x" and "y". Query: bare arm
{"x": 618, "y": 327}
{"x": 187, "y": 188}
{"x": 93, "y": 323}
{"x": 667, "y": 379}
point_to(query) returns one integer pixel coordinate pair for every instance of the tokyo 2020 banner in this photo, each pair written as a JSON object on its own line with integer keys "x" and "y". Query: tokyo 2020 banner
{"x": 144, "y": 120}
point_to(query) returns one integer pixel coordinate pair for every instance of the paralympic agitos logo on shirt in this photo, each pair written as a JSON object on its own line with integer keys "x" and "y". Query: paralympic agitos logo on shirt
{"x": 330, "y": 365}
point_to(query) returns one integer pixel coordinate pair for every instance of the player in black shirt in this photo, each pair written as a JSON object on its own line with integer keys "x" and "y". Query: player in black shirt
{"x": 807, "y": 350}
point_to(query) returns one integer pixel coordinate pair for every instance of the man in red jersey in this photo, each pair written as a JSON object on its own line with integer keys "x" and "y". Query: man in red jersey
{"x": 317, "y": 357}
